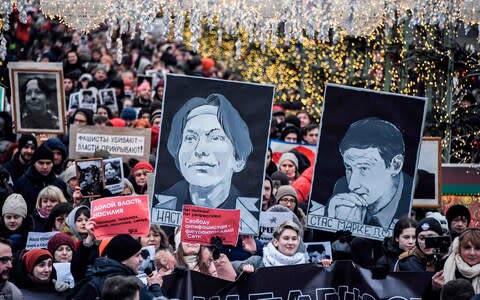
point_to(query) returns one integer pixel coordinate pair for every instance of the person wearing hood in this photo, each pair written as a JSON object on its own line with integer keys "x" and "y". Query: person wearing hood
{"x": 77, "y": 220}
{"x": 16, "y": 223}
{"x": 18, "y": 165}
{"x": 123, "y": 257}
{"x": 59, "y": 154}
{"x": 39, "y": 175}
{"x": 421, "y": 259}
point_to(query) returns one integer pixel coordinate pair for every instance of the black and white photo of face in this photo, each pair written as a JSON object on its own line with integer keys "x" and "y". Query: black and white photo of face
{"x": 107, "y": 98}
{"x": 35, "y": 97}
{"x": 88, "y": 98}
{"x": 110, "y": 171}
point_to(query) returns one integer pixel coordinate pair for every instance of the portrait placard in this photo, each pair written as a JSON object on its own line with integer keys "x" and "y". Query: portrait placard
{"x": 429, "y": 174}
{"x": 88, "y": 98}
{"x": 120, "y": 142}
{"x": 212, "y": 148}
{"x": 73, "y": 101}
{"x": 363, "y": 179}
{"x": 318, "y": 251}
{"x": 109, "y": 99}
{"x": 90, "y": 176}
{"x": 113, "y": 174}
{"x": 38, "y": 103}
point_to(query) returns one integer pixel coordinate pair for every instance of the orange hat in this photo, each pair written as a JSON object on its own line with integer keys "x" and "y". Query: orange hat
{"x": 32, "y": 258}
{"x": 207, "y": 63}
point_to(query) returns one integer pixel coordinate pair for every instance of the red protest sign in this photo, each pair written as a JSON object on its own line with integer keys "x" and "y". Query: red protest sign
{"x": 200, "y": 224}
{"x": 117, "y": 215}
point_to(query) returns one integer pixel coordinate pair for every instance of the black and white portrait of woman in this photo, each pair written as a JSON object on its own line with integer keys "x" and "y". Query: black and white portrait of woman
{"x": 209, "y": 142}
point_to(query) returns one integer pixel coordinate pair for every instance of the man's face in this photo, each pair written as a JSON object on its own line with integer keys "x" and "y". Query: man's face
{"x": 100, "y": 75}
{"x": 44, "y": 166}
{"x": 267, "y": 191}
{"x": 5, "y": 261}
{"x": 458, "y": 224}
{"x": 57, "y": 157}
{"x": 304, "y": 119}
{"x": 72, "y": 58}
{"x": 134, "y": 262}
{"x": 35, "y": 98}
{"x": 312, "y": 136}
{"x": 367, "y": 174}
{"x": 27, "y": 152}
{"x": 67, "y": 84}
{"x": 206, "y": 155}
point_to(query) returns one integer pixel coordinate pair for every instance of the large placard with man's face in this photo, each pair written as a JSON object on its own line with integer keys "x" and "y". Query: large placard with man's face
{"x": 212, "y": 148}
{"x": 367, "y": 158}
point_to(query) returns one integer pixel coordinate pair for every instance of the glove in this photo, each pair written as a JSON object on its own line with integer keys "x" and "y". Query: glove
{"x": 60, "y": 286}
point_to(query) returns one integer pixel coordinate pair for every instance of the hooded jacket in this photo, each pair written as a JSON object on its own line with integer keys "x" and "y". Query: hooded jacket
{"x": 391, "y": 252}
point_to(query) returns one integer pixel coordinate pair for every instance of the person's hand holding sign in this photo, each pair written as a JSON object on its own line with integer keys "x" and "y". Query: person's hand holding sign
{"x": 347, "y": 206}
{"x": 90, "y": 227}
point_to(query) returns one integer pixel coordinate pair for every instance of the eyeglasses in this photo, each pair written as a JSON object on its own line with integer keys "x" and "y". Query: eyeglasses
{"x": 5, "y": 259}
{"x": 286, "y": 200}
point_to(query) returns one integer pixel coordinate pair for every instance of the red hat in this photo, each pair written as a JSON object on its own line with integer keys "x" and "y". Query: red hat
{"x": 60, "y": 239}
{"x": 142, "y": 165}
{"x": 207, "y": 63}
{"x": 117, "y": 122}
{"x": 33, "y": 258}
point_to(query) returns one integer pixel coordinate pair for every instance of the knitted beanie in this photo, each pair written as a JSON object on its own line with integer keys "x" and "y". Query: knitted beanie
{"x": 128, "y": 114}
{"x": 27, "y": 139}
{"x": 117, "y": 122}
{"x": 58, "y": 240}
{"x": 457, "y": 210}
{"x": 428, "y": 224}
{"x": 440, "y": 218}
{"x": 122, "y": 247}
{"x": 285, "y": 190}
{"x": 34, "y": 257}
{"x": 42, "y": 153}
{"x": 15, "y": 205}
{"x": 288, "y": 156}
{"x": 142, "y": 165}
{"x": 68, "y": 174}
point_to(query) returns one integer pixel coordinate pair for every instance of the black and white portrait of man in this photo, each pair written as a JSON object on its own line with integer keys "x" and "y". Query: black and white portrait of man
{"x": 209, "y": 142}
{"x": 367, "y": 158}
{"x": 88, "y": 98}
{"x": 90, "y": 177}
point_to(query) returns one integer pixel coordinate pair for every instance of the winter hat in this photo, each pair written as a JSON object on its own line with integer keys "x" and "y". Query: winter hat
{"x": 288, "y": 156}
{"x": 156, "y": 114}
{"x": 58, "y": 240}
{"x": 128, "y": 114}
{"x": 440, "y": 218}
{"x": 117, "y": 122}
{"x": 42, "y": 153}
{"x": 56, "y": 144}
{"x": 428, "y": 224}
{"x": 27, "y": 139}
{"x": 142, "y": 165}
{"x": 102, "y": 153}
{"x": 145, "y": 86}
{"x": 34, "y": 257}
{"x": 457, "y": 210}
{"x": 122, "y": 247}
{"x": 281, "y": 177}
{"x": 68, "y": 174}
{"x": 85, "y": 76}
{"x": 15, "y": 205}
{"x": 285, "y": 190}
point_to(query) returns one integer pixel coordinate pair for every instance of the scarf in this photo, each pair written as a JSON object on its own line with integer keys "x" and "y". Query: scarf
{"x": 191, "y": 261}
{"x": 272, "y": 257}
{"x": 455, "y": 262}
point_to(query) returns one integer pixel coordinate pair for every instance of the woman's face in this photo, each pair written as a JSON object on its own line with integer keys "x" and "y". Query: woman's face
{"x": 101, "y": 111}
{"x": 406, "y": 239}
{"x": 287, "y": 243}
{"x": 43, "y": 271}
{"x": 63, "y": 254}
{"x": 47, "y": 204}
{"x": 109, "y": 171}
{"x": 268, "y": 159}
{"x": 288, "y": 168}
{"x": 35, "y": 98}
{"x": 421, "y": 241}
{"x": 156, "y": 122}
{"x": 152, "y": 239}
{"x": 141, "y": 177}
{"x": 292, "y": 137}
{"x": 190, "y": 249}
{"x": 470, "y": 253}
{"x": 80, "y": 223}
{"x": 60, "y": 221}
{"x": 12, "y": 221}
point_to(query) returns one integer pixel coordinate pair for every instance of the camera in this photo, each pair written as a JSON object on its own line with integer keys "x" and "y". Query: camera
{"x": 216, "y": 247}
{"x": 439, "y": 243}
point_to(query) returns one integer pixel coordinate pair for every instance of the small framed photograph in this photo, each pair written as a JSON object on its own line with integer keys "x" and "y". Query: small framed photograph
{"x": 88, "y": 99}
{"x": 318, "y": 251}
{"x": 90, "y": 176}
{"x": 113, "y": 174}
{"x": 73, "y": 101}
{"x": 427, "y": 188}
{"x": 109, "y": 99}
{"x": 38, "y": 97}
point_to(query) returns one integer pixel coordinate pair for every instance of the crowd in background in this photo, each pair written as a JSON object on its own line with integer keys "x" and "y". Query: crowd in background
{"x": 40, "y": 192}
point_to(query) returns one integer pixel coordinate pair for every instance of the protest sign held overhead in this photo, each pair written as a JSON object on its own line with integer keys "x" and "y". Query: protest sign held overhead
{"x": 366, "y": 185}
{"x": 201, "y": 224}
{"x": 38, "y": 239}
{"x": 212, "y": 148}
{"x": 119, "y": 215}
{"x": 119, "y": 142}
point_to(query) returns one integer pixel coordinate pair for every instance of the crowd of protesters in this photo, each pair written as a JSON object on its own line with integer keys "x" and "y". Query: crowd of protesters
{"x": 39, "y": 190}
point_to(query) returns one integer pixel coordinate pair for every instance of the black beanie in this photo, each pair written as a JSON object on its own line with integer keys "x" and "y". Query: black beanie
{"x": 455, "y": 211}
{"x": 122, "y": 247}
{"x": 27, "y": 139}
{"x": 429, "y": 224}
{"x": 42, "y": 152}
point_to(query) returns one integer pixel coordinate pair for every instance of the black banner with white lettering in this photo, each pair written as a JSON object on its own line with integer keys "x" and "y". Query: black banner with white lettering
{"x": 343, "y": 280}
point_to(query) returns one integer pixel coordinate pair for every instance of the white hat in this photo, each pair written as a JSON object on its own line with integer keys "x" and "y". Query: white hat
{"x": 15, "y": 205}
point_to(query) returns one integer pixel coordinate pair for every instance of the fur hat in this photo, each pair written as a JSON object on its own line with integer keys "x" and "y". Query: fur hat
{"x": 457, "y": 210}
{"x": 288, "y": 156}
{"x": 42, "y": 153}
{"x": 27, "y": 139}
{"x": 142, "y": 165}
{"x": 34, "y": 257}
{"x": 16, "y": 205}
{"x": 122, "y": 247}
{"x": 58, "y": 240}
{"x": 285, "y": 190}
{"x": 428, "y": 224}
